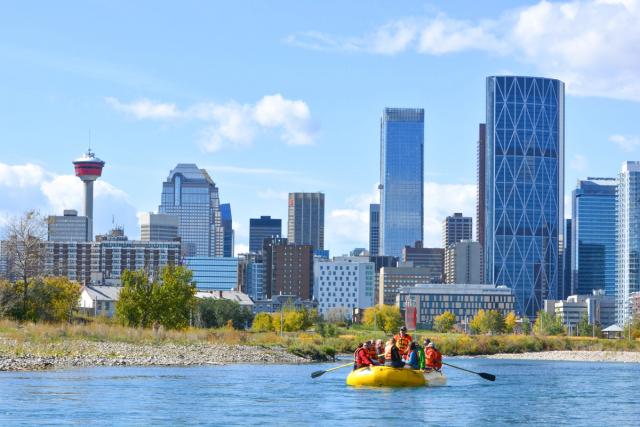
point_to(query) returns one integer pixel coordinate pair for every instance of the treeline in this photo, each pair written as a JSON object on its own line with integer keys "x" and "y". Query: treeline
{"x": 51, "y": 299}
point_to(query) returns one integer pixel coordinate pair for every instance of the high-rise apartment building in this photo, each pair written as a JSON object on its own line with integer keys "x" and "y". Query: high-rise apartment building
{"x": 401, "y": 179}
{"x": 255, "y": 277}
{"x": 71, "y": 259}
{"x": 306, "y": 219}
{"x": 627, "y": 240}
{"x": 158, "y": 227}
{"x": 288, "y": 268}
{"x": 263, "y": 228}
{"x": 68, "y": 228}
{"x": 228, "y": 236}
{"x": 431, "y": 258}
{"x": 462, "y": 262}
{"x": 524, "y": 187}
{"x": 456, "y": 228}
{"x": 374, "y": 229}
{"x": 343, "y": 284}
{"x": 190, "y": 194}
{"x": 593, "y": 233}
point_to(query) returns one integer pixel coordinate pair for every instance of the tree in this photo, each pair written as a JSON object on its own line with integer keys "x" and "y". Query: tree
{"x": 262, "y": 323}
{"x": 52, "y": 299}
{"x": 548, "y": 324}
{"x": 169, "y": 303}
{"x": 493, "y": 322}
{"x": 337, "y": 315}
{"x": 444, "y": 322}
{"x": 24, "y": 251}
{"x": 526, "y": 326}
{"x": 477, "y": 324}
{"x": 386, "y": 317}
{"x": 218, "y": 313}
{"x": 510, "y": 322}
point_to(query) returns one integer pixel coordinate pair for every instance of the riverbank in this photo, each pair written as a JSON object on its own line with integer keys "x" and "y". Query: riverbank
{"x": 573, "y": 356}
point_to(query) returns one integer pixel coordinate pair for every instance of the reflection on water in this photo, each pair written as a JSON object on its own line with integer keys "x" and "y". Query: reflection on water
{"x": 526, "y": 392}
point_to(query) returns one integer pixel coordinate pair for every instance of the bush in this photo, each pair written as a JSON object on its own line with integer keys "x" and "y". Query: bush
{"x": 213, "y": 313}
{"x": 444, "y": 322}
{"x": 548, "y": 324}
{"x": 262, "y": 323}
{"x": 52, "y": 299}
{"x": 327, "y": 330}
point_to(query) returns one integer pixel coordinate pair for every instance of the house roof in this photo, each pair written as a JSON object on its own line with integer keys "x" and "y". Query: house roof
{"x": 613, "y": 328}
{"x": 102, "y": 293}
{"x": 239, "y": 297}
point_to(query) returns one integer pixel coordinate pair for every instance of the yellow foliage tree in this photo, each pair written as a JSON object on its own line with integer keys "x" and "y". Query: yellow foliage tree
{"x": 510, "y": 322}
{"x": 477, "y": 323}
{"x": 386, "y": 317}
{"x": 262, "y": 323}
{"x": 444, "y": 322}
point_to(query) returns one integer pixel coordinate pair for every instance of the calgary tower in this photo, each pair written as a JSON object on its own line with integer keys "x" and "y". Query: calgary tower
{"x": 88, "y": 169}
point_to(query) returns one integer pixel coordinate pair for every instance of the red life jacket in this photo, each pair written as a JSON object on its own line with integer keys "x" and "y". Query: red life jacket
{"x": 362, "y": 357}
{"x": 403, "y": 343}
{"x": 373, "y": 353}
{"x": 433, "y": 358}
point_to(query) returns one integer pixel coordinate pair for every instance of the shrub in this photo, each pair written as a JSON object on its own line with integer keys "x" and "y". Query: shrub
{"x": 262, "y": 323}
{"x": 217, "y": 313}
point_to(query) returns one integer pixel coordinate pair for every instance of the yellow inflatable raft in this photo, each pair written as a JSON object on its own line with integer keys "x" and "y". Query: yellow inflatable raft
{"x": 385, "y": 376}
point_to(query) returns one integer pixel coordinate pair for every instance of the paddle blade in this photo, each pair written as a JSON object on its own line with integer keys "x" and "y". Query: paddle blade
{"x": 316, "y": 374}
{"x": 488, "y": 377}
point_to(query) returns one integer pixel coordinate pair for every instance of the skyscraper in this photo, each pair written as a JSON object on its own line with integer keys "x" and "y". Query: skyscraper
{"x": 228, "y": 235}
{"x": 67, "y": 228}
{"x": 627, "y": 240}
{"x": 401, "y": 179}
{"x": 191, "y": 195}
{"x": 566, "y": 261}
{"x": 480, "y": 207}
{"x": 263, "y": 228}
{"x": 456, "y": 228}
{"x": 288, "y": 269}
{"x": 306, "y": 219}
{"x": 524, "y": 187}
{"x": 593, "y": 258}
{"x": 158, "y": 227}
{"x": 374, "y": 229}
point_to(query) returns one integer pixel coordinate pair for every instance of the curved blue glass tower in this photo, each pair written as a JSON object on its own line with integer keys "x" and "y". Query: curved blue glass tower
{"x": 524, "y": 184}
{"x": 401, "y": 179}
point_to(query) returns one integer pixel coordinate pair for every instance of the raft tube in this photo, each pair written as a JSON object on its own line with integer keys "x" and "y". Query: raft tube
{"x": 386, "y": 376}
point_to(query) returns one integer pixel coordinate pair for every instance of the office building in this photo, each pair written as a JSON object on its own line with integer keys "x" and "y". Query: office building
{"x": 263, "y": 228}
{"x": 524, "y": 187}
{"x": 380, "y": 261}
{"x": 158, "y": 227}
{"x": 464, "y": 301}
{"x": 593, "y": 259}
{"x": 456, "y": 228}
{"x": 306, "y": 219}
{"x": 430, "y": 258}
{"x": 599, "y": 308}
{"x": 279, "y": 302}
{"x": 627, "y": 240}
{"x": 462, "y": 262}
{"x": 228, "y": 236}
{"x": 391, "y": 279}
{"x": 190, "y": 194}
{"x": 401, "y": 179}
{"x": 480, "y": 201}
{"x": 374, "y": 229}
{"x": 288, "y": 268}
{"x": 255, "y": 276}
{"x": 343, "y": 284}
{"x": 67, "y": 228}
{"x": 213, "y": 273}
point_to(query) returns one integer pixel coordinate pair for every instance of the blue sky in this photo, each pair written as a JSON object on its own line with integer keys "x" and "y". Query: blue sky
{"x": 273, "y": 97}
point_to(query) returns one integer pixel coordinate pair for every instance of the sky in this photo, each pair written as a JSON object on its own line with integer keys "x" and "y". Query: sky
{"x": 283, "y": 96}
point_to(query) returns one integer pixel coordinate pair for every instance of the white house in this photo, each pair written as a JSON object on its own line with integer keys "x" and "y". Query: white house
{"x": 99, "y": 300}
{"x": 243, "y": 299}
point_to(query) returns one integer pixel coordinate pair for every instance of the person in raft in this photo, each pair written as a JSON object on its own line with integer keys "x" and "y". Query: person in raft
{"x": 433, "y": 358}
{"x": 403, "y": 340}
{"x": 362, "y": 357}
{"x": 392, "y": 355}
{"x": 380, "y": 351}
{"x": 373, "y": 351}
{"x": 412, "y": 361}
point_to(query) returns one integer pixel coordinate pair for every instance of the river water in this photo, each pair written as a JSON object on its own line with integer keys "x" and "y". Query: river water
{"x": 526, "y": 392}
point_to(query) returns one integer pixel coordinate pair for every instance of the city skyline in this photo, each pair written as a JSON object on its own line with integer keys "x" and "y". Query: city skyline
{"x": 288, "y": 131}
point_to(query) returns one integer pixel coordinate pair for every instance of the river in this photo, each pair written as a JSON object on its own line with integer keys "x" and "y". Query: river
{"x": 526, "y": 392}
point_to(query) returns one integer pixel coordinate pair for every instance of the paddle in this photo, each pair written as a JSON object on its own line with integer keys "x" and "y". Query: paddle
{"x": 316, "y": 374}
{"x": 488, "y": 377}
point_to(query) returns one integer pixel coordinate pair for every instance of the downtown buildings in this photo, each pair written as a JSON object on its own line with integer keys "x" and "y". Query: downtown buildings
{"x": 401, "y": 179}
{"x": 306, "y": 219}
{"x": 263, "y": 228}
{"x": 524, "y": 187}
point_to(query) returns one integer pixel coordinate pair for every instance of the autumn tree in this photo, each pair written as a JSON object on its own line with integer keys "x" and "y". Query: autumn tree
{"x": 510, "y": 322}
{"x": 262, "y": 322}
{"x": 387, "y": 318}
{"x": 444, "y": 322}
{"x": 548, "y": 324}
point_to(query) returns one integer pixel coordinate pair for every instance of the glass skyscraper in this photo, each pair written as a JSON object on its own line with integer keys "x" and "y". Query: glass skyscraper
{"x": 227, "y": 228}
{"x": 593, "y": 258}
{"x": 305, "y": 225}
{"x": 190, "y": 194}
{"x": 628, "y": 239}
{"x": 524, "y": 187}
{"x": 401, "y": 179}
{"x": 374, "y": 229}
{"x": 263, "y": 228}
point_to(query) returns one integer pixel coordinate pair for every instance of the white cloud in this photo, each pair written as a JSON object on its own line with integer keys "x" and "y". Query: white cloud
{"x": 626, "y": 142}
{"x": 232, "y": 124}
{"x": 442, "y": 200}
{"x": 271, "y": 194}
{"x": 579, "y": 162}
{"x": 249, "y": 171}
{"x": 592, "y": 45}
{"x": 21, "y": 176}
{"x": 240, "y": 248}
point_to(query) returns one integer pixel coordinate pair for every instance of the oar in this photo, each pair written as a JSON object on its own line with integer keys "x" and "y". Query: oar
{"x": 488, "y": 377}
{"x": 316, "y": 374}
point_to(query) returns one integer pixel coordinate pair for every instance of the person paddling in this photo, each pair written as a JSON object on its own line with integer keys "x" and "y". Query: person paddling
{"x": 433, "y": 357}
{"x": 403, "y": 340}
{"x": 392, "y": 355}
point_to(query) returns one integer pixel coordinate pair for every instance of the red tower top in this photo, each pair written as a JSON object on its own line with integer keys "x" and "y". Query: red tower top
{"x": 88, "y": 167}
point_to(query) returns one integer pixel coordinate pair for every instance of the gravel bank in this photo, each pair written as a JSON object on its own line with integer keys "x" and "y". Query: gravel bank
{"x": 574, "y": 356}
{"x": 88, "y": 353}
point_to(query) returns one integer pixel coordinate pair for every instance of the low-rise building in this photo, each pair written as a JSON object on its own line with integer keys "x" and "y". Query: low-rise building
{"x": 280, "y": 302}
{"x": 463, "y": 300}
{"x": 239, "y": 297}
{"x": 343, "y": 283}
{"x": 391, "y": 279}
{"x": 98, "y": 300}
{"x": 599, "y": 308}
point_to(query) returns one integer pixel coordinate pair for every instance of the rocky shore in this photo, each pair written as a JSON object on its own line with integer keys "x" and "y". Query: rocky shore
{"x": 28, "y": 356}
{"x": 574, "y": 356}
